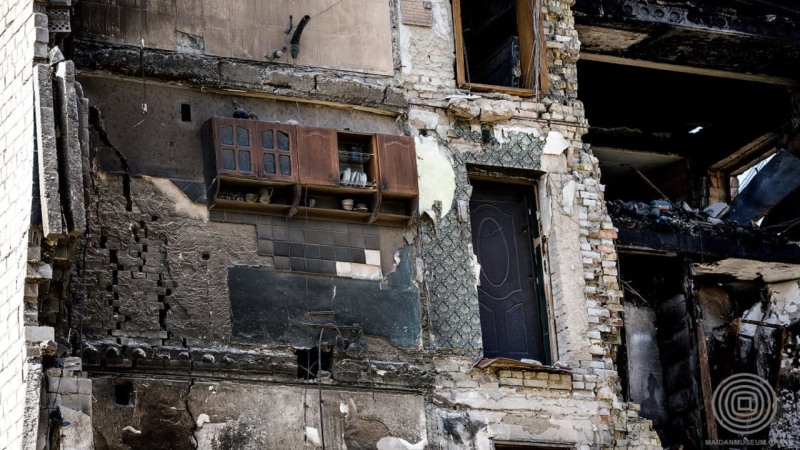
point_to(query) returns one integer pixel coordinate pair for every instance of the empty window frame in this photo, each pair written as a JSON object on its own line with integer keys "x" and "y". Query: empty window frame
{"x": 496, "y": 45}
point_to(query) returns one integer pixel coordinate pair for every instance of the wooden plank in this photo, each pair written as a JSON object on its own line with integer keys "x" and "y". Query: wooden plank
{"x": 459, "y": 32}
{"x": 705, "y": 382}
{"x": 527, "y": 41}
{"x": 397, "y": 165}
{"x": 318, "y": 156}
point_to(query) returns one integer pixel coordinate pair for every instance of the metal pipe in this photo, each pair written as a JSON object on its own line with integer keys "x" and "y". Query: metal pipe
{"x": 295, "y": 42}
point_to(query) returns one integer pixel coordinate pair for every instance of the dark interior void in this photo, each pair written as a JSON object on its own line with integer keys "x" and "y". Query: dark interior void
{"x": 490, "y": 41}
{"x": 658, "y": 362}
{"x": 683, "y": 335}
{"x": 643, "y": 118}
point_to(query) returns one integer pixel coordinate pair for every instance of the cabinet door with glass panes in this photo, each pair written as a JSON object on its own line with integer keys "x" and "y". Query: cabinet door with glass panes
{"x": 277, "y": 151}
{"x": 234, "y": 144}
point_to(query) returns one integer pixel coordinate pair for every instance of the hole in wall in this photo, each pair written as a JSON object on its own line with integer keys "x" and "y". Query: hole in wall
{"x": 123, "y": 393}
{"x": 206, "y": 256}
{"x": 308, "y": 362}
{"x": 186, "y": 112}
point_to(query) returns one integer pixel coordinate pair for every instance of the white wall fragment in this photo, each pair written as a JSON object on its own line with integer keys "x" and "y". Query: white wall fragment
{"x": 556, "y": 144}
{"x": 312, "y": 437}
{"x": 202, "y": 419}
{"x": 437, "y": 180}
{"x": 419, "y": 118}
{"x": 476, "y": 266}
{"x": 568, "y": 197}
{"x": 393, "y": 443}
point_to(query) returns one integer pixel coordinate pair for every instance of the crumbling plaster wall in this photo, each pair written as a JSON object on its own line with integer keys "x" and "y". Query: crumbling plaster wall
{"x": 355, "y": 35}
{"x": 578, "y": 234}
{"x": 232, "y": 415}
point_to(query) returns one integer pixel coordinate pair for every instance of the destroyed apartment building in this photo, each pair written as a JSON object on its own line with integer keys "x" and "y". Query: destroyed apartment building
{"x": 399, "y": 224}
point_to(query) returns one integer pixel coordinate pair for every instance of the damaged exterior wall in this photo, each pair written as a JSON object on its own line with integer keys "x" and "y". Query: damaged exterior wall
{"x": 209, "y": 320}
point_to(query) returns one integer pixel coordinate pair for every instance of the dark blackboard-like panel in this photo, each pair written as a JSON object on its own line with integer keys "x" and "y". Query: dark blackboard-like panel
{"x": 270, "y": 308}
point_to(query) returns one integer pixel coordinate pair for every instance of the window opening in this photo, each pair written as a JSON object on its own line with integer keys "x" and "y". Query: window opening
{"x": 498, "y": 44}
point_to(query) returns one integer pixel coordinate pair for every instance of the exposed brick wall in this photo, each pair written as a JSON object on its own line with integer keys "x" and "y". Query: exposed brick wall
{"x": 17, "y": 40}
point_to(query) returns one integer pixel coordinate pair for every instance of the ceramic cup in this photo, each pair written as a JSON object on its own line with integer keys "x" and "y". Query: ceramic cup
{"x": 347, "y": 204}
{"x": 250, "y": 197}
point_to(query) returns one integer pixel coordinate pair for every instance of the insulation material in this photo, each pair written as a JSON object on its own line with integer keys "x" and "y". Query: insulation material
{"x": 437, "y": 180}
{"x": 556, "y": 144}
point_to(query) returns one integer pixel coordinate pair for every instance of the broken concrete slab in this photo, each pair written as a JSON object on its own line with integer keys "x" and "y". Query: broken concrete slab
{"x": 69, "y": 147}
{"x": 48, "y": 153}
{"x": 76, "y": 429}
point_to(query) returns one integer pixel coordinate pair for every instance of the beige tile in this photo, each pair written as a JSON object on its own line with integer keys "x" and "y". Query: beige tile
{"x": 365, "y": 272}
{"x": 309, "y": 45}
{"x": 343, "y": 269}
{"x": 217, "y": 9}
{"x": 218, "y": 42}
{"x": 328, "y": 49}
{"x": 189, "y": 7}
{"x": 351, "y": 18}
{"x": 329, "y": 20}
{"x": 373, "y": 257}
{"x": 353, "y": 52}
{"x": 160, "y": 30}
{"x": 191, "y": 24}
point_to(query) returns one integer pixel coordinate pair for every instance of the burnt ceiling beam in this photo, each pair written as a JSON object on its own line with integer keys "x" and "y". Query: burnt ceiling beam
{"x": 741, "y": 39}
{"x": 753, "y": 17}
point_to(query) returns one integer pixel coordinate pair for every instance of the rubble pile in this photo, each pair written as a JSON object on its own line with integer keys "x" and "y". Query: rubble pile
{"x": 671, "y": 217}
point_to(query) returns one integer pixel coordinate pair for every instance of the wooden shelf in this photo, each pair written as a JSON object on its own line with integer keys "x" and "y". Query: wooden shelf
{"x": 251, "y": 206}
{"x": 340, "y": 190}
{"x": 312, "y": 171}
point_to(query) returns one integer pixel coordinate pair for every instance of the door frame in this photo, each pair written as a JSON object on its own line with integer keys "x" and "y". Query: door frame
{"x": 529, "y": 181}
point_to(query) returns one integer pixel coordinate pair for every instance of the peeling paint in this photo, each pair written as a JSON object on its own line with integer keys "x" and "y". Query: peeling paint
{"x": 436, "y": 177}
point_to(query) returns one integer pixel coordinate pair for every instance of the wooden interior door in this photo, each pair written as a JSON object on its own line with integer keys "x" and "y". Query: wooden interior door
{"x": 508, "y": 295}
{"x": 397, "y": 163}
{"x": 318, "y": 156}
